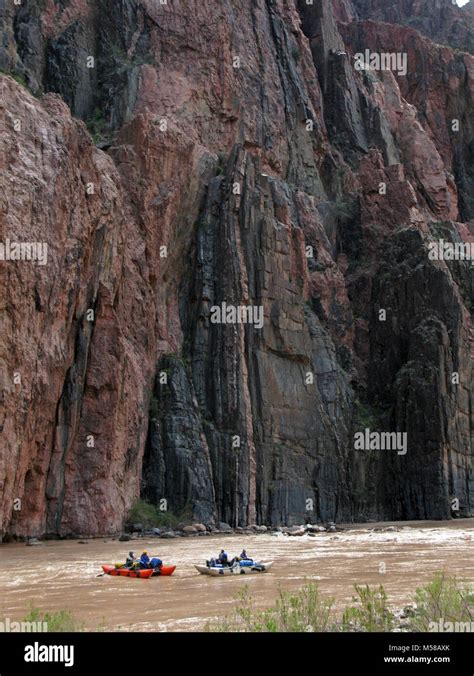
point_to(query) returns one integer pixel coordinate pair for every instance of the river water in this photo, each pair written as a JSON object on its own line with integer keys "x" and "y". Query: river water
{"x": 62, "y": 575}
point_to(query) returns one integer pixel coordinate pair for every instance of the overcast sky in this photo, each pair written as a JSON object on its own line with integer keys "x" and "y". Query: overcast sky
{"x": 462, "y": 2}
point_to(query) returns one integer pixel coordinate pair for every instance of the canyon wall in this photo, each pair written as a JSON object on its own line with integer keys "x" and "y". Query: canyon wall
{"x": 198, "y": 154}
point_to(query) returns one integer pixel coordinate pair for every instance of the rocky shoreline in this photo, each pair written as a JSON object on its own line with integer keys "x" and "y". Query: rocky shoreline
{"x": 138, "y": 532}
{"x": 199, "y": 529}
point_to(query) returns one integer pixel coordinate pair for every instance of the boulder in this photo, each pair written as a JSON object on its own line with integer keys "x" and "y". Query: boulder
{"x": 200, "y": 527}
{"x": 169, "y": 535}
{"x": 189, "y": 530}
{"x": 297, "y": 531}
{"x": 124, "y": 538}
{"x": 224, "y": 527}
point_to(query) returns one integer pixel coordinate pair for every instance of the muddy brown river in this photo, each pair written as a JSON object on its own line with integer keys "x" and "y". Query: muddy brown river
{"x": 62, "y": 575}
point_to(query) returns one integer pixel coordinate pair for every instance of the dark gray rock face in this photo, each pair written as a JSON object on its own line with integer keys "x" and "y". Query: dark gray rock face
{"x": 241, "y": 373}
{"x": 67, "y": 72}
{"x": 353, "y": 120}
{"x": 413, "y": 361}
{"x": 87, "y": 60}
{"x": 176, "y": 462}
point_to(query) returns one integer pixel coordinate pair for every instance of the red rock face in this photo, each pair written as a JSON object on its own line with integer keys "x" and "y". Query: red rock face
{"x": 237, "y": 156}
{"x": 68, "y": 389}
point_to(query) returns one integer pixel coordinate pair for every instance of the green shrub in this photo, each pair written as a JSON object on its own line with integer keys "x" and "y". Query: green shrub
{"x": 443, "y": 599}
{"x": 21, "y": 81}
{"x": 371, "y": 613}
{"x": 295, "y": 53}
{"x": 60, "y": 621}
{"x": 346, "y": 209}
{"x": 367, "y": 415}
{"x": 305, "y": 611}
{"x": 97, "y": 126}
{"x": 302, "y": 611}
{"x": 151, "y": 516}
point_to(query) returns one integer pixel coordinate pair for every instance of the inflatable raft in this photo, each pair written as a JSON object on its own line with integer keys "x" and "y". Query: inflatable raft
{"x": 125, "y": 572}
{"x": 149, "y": 572}
{"x": 236, "y": 569}
{"x": 164, "y": 570}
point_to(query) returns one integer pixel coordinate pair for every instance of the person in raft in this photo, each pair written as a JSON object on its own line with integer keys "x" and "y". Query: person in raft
{"x": 244, "y": 556}
{"x": 144, "y": 560}
{"x": 131, "y": 558}
{"x": 223, "y": 558}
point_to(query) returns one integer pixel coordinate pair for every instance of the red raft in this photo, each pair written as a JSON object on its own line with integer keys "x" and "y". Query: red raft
{"x": 125, "y": 572}
{"x": 164, "y": 570}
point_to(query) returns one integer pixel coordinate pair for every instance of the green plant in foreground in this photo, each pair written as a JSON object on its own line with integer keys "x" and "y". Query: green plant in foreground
{"x": 372, "y": 612}
{"x": 59, "y": 621}
{"x": 442, "y": 600}
{"x": 305, "y": 610}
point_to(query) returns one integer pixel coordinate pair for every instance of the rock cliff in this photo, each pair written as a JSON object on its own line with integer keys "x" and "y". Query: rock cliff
{"x": 182, "y": 156}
